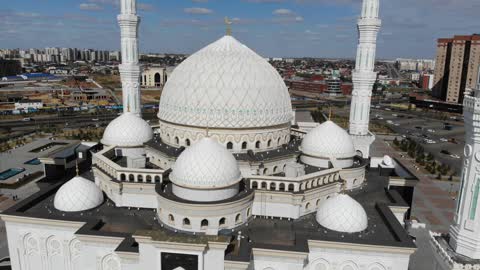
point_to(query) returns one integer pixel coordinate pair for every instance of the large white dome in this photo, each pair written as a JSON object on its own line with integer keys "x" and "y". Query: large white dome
{"x": 225, "y": 85}
{"x": 127, "y": 130}
{"x": 328, "y": 140}
{"x": 205, "y": 165}
{"x": 342, "y": 214}
{"x": 78, "y": 194}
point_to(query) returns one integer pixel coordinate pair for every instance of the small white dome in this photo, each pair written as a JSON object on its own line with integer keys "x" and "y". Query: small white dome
{"x": 387, "y": 161}
{"x": 205, "y": 165}
{"x": 127, "y": 130}
{"x": 225, "y": 85}
{"x": 342, "y": 214}
{"x": 328, "y": 140}
{"x": 78, "y": 194}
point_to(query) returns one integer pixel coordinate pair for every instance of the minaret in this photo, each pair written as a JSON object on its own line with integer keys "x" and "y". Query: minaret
{"x": 465, "y": 230}
{"x": 364, "y": 76}
{"x": 130, "y": 68}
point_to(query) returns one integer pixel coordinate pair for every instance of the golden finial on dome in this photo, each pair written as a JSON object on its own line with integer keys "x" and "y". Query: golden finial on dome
{"x": 228, "y": 23}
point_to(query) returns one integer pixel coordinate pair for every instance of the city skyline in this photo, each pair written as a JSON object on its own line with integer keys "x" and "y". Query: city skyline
{"x": 274, "y": 28}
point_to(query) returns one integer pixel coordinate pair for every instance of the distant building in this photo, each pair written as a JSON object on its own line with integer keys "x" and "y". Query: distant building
{"x": 426, "y": 81}
{"x": 334, "y": 87}
{"x": 458, "y": 59}
{"x": 155, "y": 76}
{"x": 10, "y": 68}
{"x": 25, "y": 105}
{"x": 415, "y": 64}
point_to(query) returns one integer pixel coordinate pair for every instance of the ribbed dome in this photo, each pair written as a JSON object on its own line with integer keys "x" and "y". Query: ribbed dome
{"x": 127, "y": 130}
{"x": 205, "y": 165}
{"x": 78, "y": 194}
{"x": 342, "y": 214}
{"x": 328, "y": 140}
{"x": 225, "y": 85}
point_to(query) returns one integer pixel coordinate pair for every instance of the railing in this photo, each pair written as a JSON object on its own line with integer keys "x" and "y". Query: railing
{"x": 294, "y": 184}
{"x": 126, "y": 174}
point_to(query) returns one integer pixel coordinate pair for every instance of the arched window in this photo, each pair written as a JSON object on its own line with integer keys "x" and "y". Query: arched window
{"x": 149, "y": 178}
{"x": 278, "y": 141}
{"x": 281, "y": 187}
{"x": 221, "y": 222}
{"x": 265, "y": 171}
{"x": 140, "y": 178}
{"x": 275, "y": 168}
{"x": 171, "y": 219}
{"x": 318, "y": 202}
{"x": 204, "y": 224}
{"x": 257, "y": 144}
{"x": 307, "y": 206}
{"x": 248, "y": 212}
{"x": 157, "y": 179}
{"x": 131, "y": 178}
{"x": 269, "y": 143}
{"x": 244, "y": 145}
{"x": 273, "y": 186}
{"x": 186, "y": 222}
{"x": 238, "y": 219}
{"x": 177, "y": 141}
{"x": 229, "y": 145}
{"x": 254, "y": 185}
{"x": 291, "y": 187}
{"x": 187, "y": 142}
{"x": 264, "y": 185}
{"x": 123, "y": 177}
{"x": 157, "y": 79}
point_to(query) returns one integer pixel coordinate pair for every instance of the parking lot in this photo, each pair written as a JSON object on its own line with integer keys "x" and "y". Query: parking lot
{"x": 446, "y": 145}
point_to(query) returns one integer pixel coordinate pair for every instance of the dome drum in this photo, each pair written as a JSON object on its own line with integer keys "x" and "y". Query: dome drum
{"x": 205, "y": 195}
{"x": 236, "y": 141}
{"x": 203, "y": 217}
{"x": 326, "y": 162}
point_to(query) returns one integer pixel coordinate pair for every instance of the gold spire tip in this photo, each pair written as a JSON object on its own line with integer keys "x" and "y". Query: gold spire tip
{"x": 228, "y": 24}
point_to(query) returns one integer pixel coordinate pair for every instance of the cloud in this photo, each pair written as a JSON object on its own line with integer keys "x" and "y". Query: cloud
{"x": 283, "y": 12}
{"x": 198, "y": 10}
{"x": 90, "y": 6}
{"x": 145, "y": 7}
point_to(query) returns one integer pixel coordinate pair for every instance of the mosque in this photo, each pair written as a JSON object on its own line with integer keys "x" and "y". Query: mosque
{"x": 226, "y": 180}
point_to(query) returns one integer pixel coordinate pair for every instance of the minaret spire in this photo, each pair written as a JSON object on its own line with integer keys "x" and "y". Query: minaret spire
{"x": 364, "y": 77}
{"x": 130, "y": 67}
{"x": 466, "y": 224}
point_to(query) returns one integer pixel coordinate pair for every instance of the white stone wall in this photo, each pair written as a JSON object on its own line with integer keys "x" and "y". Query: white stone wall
{"x": 54, "y": 246}
{"x": 345, "y": 259}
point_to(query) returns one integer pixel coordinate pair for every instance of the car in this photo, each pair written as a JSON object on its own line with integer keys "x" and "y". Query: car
{"x": 397, "y": 124}
{"x": 443, "y": 140}
{"x": 27, "y": 119}
{"x": 445, "y": 152}
{"x": 394, "y": 115}
{"x": 380, "y": 118}
{"x": 95, "y": 119}
{"x": 417, "y": 127}
{"x": 455, "y": 156}
{"x": 431, "y": 130}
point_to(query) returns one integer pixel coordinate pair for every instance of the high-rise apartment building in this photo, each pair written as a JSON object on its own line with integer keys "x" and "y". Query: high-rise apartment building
{"x": 457, "y": 63}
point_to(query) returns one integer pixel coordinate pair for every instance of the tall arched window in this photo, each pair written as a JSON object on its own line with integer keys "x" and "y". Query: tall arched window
{"x": 177, "y": 141}
{"x": 229, "y": 145}
{"x": 222, "y": 222}
{"x": 244, "y": 145}
{"x": 187, "y": 142}
{"x": 257, "y": 144}
{"x": 204, "y": 224}
{"x": 186, "y": 222}
{"x": 238, "y": 219}
{"x": 269, "y": 143}
{"x": 171, "y": 219}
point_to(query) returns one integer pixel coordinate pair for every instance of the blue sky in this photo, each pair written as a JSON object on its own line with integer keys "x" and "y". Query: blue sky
{"x": 274, "y": 28}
